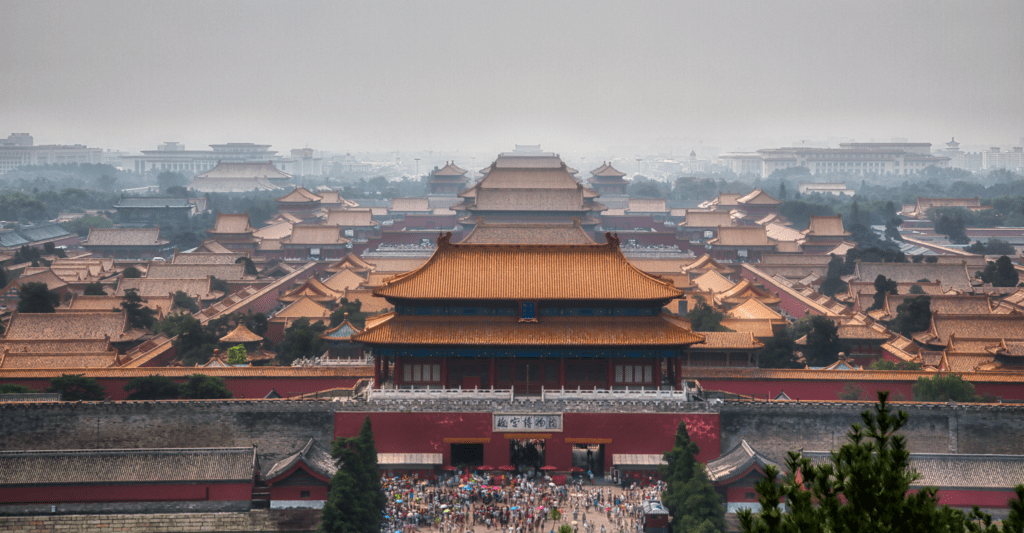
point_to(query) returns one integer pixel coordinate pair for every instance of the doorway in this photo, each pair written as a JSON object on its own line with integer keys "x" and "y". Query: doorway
{"x": 589, "y": 457}
{"x": 526, "y": 453}
{"x": 471, "y": 455}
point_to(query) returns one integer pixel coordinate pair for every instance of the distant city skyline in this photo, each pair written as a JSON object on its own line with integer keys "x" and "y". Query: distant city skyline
{"x": 578, "y": 78}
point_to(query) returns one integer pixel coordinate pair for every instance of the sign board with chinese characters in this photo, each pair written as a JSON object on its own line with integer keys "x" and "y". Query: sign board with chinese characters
{"x": 544, "y": 422}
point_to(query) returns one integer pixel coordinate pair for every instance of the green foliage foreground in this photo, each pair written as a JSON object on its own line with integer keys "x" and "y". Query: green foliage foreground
{"x": 863, "y": 489}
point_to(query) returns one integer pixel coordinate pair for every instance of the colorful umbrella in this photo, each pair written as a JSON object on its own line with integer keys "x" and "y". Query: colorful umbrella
{"x": 575, "y": 469}
{"x": 507, "y": 468}
{"x": 548, "y": 467}
{"x": 485, "y": 467}
{"x": 450, "y": 468}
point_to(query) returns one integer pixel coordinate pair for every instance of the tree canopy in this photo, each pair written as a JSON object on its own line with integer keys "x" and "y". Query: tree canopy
{"x": 94, "y": 289}
{"x": 139, "y": 316}
{"x": 883, "y": 286}
{"x": 355, "y": 502}
{"x": 202, "y": 387}
{"x": 36, "y": 297}
{"x": 689, "y": 495}
{"x": 154, "y": 387}
{"x": 864, "y": 487}
{"x": 76, "y": 387}
{"x": 703, "y": 317}
{"x": 944, "y": 387}
{"x": 823, "y": 345}
{"x": 912, "y": 315}
{"x": 779, "y": 351}
{"x": 833, "y": 282}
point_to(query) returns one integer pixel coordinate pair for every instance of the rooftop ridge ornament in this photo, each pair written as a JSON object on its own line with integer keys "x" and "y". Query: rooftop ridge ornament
{"x": 444, "y": 240}
{"x": 612, "y": 239}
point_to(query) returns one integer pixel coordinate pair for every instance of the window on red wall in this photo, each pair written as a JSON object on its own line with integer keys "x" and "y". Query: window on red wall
{"x": 634, "y": 374}
{"x": 421, "y": 373}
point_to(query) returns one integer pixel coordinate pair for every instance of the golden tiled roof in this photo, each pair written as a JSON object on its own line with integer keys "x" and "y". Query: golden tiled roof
{"x": 313, "y": 289}
{"x": 227, "y": 272}
{"x": 647, "y": 205}
{"x": 124, "y": 237}
{"x": 108, "y": 303}
{"x": 370, "y": 304}
{"x": 449, "y": 169}
{"x": 705, "y": 263}
{"x": 396, "y": 264}
{"x": 303, "y": 308}
{"x": 529, "y": 200}
{"x": 232, "y": 223}
{"x": 262, "y": 169}
{"x": 509, "y": 331}
{"x": 742, "y": 236}
{"x": 607, "y": 170}
{"x": 782, "y": 233}
{"x": 706, "y": 219}
{"x": 909, "y": 376}
{"x": 863, "y": 332}
{"x": 976, "y": 327}
{"x": 410, "y": 204}
{"x": 758, "y": 197}
{"x": 149, "y": 287}
{"x": 528, "y": 272}
{"x": 950, "y": 275}
{"x": 276, "y": 231}
{"x": 55, "y": 346}
{"x": 959, "y": 304}
{"x": 343, "y": 280}
{"x": 825, "y": 226}
{"x": 300, "y": 195}
{"x": 212, "y": 246}
{"x": 727, "y": 340}
{"x": 760, "y": 328}
{"x": 41, "y": 360}
{"x": 241, "y": 334}
{"x": 185, "y": 372}
{"x": 661, "y": 266}
{"x": 351, "y": 262}
{"x": 67, "y": 325}
{"x": 554, "y": 233}
{"x": 727, "y": 199}
{"x": 42, "y": 275}
{"x": 803, "y": 259}
{"x": 713, "y": 281}
{"x": 743, "y": 291}
{"x": 376, "y": 279}
{"x": 206, "y": 258}
{"x": 350, "y": 218}
{"x": 753, "y": 308}
{"x": 314, "y": 235}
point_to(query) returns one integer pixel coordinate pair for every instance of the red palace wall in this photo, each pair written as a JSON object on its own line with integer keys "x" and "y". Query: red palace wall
{"x": 632, "y": 433}
{"x": 129, "y": 493}
{"x": 241, "y": 387}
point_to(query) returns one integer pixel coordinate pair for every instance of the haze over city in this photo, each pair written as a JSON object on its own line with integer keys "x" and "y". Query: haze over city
{"x": 575, "y": 77}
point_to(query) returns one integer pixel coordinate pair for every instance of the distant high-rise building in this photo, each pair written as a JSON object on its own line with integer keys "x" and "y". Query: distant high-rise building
{"x": 173, "y": 156}
{"x": 19, "y": 150}
{"x": 850, "y": 158}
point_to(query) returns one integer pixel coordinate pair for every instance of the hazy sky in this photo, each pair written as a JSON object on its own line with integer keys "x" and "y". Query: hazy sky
{"x": 481, "y": 76}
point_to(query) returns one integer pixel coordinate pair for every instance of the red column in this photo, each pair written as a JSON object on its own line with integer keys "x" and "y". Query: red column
{"x": 657, "y": 373}
{"x": 611, "y": 375}
{"x": 490, "y": 371}
{"x": 561, "y": 372}
{"x": 376, "y": 372}
{"x": 444, "y": 371}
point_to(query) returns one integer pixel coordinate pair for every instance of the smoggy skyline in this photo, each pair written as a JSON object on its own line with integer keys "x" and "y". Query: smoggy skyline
{"x": 480, "y": 77}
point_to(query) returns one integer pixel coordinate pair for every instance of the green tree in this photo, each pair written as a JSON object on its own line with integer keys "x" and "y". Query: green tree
{"x": 11, "y": 388}
{"x": 882, "y": 364}
{"x": 913, "y": 315}
{"x": 944, "y": 387}
{"x": 1006, "y": 275}
{"x": 689, "y": 496}
{"x": 94, "y": 289}
{"x": 168, "y": 179}
{"x": 131, "y": 273}
{"x": 915, "y": 288}
{"x": 1014, "y": 523}
{"x": 864, "y": 487}
{"x": 154, "y": 387}
{"x": 883, "y": 286}
{"x": 352, "y": 310}
{"x": 833, "y": 282}
{"x": 182, "y": 300}
{"x": 250, "y": 267}
{"x": 822, "y": 344}
{"x": 36, "y": 297}
{"x": 355, "y": 502}
{"x": 301, "y": 340}
{"x": 850, "y": 392}
{"x": 703, "y": 317}
{"x": 139, "y": 316}
{"x": 202, "y": 387}
{"x": 779, "y": 351}
{"x": 237, "y": 355}
{"x": 76, "y": 387}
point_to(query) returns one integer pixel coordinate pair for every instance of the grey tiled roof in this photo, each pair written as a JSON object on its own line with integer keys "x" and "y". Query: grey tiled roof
{"x": 312, "y": 455}
{"x": 149, "y": 201}
{"x": 43, "y": 232}
{"x": 736, "y": 462}
{"x": 947, "y": 470}
{"x": 64, "y": 467}
{"x": 9, "y": 238}
{"x": 31, "y": 397}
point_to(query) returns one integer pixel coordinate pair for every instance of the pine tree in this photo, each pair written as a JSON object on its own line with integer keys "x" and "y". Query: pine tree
{"x": 355, "y": 502}
{"x": 689, "y": 496}
{"x": 863, "y": 488}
